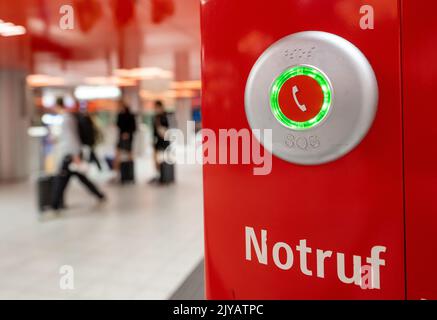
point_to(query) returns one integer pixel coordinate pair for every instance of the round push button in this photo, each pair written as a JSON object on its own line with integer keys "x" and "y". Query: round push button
{"x": 317, "y": 106}
{"x": 301, "y": 97}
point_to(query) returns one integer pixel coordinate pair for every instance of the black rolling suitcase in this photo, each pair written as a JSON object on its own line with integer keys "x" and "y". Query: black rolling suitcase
{"x": 167, "y": 173}
{"x": 127, "y": 172}
{"x": 45, "y": 192}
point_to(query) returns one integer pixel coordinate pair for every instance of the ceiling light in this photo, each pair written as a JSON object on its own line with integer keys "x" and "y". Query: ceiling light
{"x": 41, "y": 80}
{"x": 97, "y": 92}
{"x": 8, "y": 29}
{"x": 144, "y": 73}
{"x": 37, "y": 132}
{"x": 169, "y": 94}
{"x": 187, "y": 85}
{"x": 115, "y": 81}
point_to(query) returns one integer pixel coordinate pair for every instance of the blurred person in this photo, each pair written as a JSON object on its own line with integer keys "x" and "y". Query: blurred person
{"x": 160, "y": 126}
{"x": 89, "y": 136}
{"x": 127, "y": 127}
{"x": 70, "y": 150}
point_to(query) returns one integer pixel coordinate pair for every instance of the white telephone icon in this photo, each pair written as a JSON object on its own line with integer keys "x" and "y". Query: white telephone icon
{"x": 301, "y": 106}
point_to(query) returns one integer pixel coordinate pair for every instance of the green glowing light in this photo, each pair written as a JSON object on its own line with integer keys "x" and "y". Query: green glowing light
{"x": 294, "y": 72}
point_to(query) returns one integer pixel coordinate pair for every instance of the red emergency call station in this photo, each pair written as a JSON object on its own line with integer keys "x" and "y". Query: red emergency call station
{"x": 349, "y": 208}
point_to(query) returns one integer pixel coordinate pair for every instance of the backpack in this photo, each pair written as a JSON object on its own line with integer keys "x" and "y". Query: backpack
{"x": 86, "y": 130}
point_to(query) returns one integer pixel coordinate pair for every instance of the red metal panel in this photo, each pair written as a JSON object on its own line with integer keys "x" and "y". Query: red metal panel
{"x": 347, "y": 206}
{"x": 419, "y": 74}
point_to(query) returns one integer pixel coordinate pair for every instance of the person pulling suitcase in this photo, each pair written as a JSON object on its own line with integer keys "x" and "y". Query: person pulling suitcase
{"x": 70, "y": 151}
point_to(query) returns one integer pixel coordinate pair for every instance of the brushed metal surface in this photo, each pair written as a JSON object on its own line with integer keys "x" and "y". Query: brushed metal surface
{"x": 354, "y": 97}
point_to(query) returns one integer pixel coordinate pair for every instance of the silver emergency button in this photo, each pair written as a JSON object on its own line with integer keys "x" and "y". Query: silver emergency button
{"x": 317, "y": 92}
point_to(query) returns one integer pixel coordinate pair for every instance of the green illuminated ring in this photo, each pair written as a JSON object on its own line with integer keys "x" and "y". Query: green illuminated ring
{"x": 300, "y": 70}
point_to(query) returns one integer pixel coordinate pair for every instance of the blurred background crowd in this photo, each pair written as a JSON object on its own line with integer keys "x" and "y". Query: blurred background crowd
{"x": 87, "y": 90}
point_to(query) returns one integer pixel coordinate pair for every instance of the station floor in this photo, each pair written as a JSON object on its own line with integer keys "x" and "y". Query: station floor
{"x": 142, "y": 244}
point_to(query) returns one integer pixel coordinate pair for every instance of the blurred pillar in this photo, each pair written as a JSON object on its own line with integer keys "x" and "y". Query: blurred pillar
{"x": 183, "y": 105}
{"x": 14, "y": 109}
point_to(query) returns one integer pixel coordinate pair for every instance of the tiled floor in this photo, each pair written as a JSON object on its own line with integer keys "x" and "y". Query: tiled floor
{"x": 142, "y": 244}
